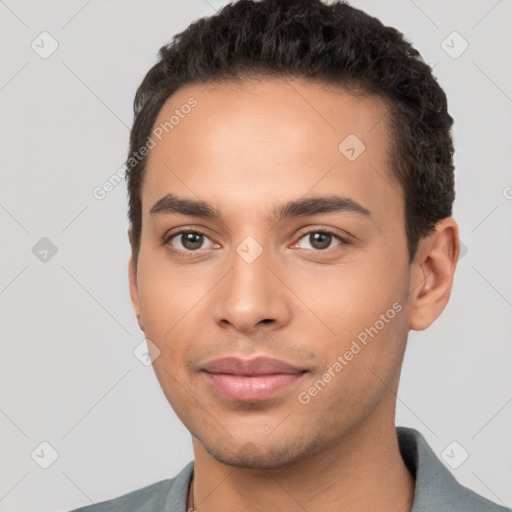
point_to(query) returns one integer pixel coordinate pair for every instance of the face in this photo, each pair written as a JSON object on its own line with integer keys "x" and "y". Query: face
{"x": 267, "y": 269}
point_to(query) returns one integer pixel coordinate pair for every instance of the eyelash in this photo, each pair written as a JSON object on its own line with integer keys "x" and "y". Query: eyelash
{"x": 185, "y": 254}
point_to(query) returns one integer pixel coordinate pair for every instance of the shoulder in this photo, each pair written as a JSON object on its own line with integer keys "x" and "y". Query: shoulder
{"x": 436, "y": 488}
{"x": 144, "y": 499}
{"x": 151, "y": 498}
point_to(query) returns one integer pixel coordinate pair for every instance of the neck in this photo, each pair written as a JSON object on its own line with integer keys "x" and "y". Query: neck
{"x": 364, "y": 471}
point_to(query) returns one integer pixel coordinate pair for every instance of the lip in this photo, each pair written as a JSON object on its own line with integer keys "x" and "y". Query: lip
{"x": 250, "y": 367}
{"x": 251, "y": 380}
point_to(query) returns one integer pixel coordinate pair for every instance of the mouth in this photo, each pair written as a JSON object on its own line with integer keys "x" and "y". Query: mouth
{"x": 253, "y": 380}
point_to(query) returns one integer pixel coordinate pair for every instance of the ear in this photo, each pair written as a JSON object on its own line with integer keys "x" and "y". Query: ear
{"x": 432, "y": 273}
{"x": 132, "y": 279}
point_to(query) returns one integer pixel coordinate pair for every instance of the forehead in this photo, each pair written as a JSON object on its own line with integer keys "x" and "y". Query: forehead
{"x": 269, "y": 141}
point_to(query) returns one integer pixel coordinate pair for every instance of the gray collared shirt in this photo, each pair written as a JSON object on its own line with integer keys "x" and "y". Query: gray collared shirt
{"x": 436, "y": 490}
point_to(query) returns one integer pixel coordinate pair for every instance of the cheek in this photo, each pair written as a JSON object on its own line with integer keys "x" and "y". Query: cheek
{"x": 359, "y": 315}
{"x": 169, "y": 316}
{"x": 361, "y": 363}
{"x": 172, "y": 307}
{"x": 167, "y": 295}
{"x": 346, "y": 298}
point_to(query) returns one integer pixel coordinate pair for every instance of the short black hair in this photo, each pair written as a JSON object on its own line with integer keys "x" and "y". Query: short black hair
{"x": 324, "y": 43}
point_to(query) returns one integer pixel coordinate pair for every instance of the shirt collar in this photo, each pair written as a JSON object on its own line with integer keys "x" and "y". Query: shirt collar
{"x": 435, "y": 487}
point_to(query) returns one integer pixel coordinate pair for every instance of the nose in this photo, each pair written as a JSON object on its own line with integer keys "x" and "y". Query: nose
{"x": 251, "y": 297}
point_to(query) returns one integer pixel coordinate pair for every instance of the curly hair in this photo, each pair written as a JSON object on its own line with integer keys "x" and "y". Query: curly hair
{"x": 333, "y": 44}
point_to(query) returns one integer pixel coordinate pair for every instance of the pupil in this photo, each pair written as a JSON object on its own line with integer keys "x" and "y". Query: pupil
{"x": 192, "y": 240}
{"x": 324, "y": 240}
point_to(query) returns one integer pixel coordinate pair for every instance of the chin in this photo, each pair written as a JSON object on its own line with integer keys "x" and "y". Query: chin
{"x": 263, "y": 455}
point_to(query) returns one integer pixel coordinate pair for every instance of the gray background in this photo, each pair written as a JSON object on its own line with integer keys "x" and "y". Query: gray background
{"x": 68, "y": 373}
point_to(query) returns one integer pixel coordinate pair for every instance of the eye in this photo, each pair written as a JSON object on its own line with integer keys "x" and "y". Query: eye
{"x": 320, "y": 240}
{"x": 187, "y": 241}
{"x": 190, "y": 241}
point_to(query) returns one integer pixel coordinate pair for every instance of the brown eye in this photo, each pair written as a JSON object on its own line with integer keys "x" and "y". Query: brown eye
{"x": 191, "y": 241}
{"x": 187, "y": 241}
{"x": 319, "y": 240}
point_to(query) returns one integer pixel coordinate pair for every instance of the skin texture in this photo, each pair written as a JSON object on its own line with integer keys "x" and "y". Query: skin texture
{"x": 246, "y": 149}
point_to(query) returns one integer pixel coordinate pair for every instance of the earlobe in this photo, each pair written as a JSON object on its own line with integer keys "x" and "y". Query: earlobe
{"x": 432, "y": 275}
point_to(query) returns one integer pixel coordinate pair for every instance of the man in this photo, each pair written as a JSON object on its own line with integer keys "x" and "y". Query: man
{"x": 290, "y": 197}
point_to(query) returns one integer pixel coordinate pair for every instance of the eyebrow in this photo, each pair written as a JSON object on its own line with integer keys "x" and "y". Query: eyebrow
{"x": 171, "y": 203}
